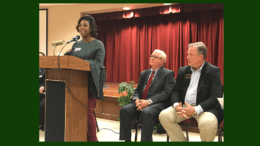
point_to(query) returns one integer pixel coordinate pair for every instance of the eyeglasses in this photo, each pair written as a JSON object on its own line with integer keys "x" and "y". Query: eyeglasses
{"x": 155, "y": 57}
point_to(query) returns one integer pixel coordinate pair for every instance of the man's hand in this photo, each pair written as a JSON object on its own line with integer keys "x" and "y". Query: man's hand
{"x": 41, "y": 89}
{"x": 186, "y": 112}
{"x": 138, "y": 105}
{"x": 141, "y": 104}
{"x": 177, "y": 107}
{"x": 180, "y": 112}
{"x": 144, "y": 103}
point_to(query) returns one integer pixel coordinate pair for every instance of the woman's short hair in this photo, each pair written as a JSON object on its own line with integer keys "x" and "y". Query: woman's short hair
{"x": 202, "y": 49}
{"x": 162, "y": 54}
{"x": 92, "y": 23}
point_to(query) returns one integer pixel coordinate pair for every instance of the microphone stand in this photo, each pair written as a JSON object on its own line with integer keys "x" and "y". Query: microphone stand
{"x": 63, "y": 78}
{"x": 54, "y": 50}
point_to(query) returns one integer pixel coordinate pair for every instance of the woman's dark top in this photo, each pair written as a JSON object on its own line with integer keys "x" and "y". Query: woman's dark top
{"x": 94, "y": 50}
{"x": 94, "y": 53}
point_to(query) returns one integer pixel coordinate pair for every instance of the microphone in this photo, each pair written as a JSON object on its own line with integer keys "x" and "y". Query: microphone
{"x": 76, "y": 38}
{"x": 57, "y": 43}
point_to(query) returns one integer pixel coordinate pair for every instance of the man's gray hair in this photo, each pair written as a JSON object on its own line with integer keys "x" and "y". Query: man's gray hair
{"x": 162, "y": 54}
{"x": 202, "y": 49}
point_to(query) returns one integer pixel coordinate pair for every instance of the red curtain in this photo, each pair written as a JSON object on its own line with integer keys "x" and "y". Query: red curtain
{"x": 130, "y": 42}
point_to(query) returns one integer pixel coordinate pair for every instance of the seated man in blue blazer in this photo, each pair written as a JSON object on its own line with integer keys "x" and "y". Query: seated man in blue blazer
{"x": 195, "y": 95}
{"x": 151, "y": 96}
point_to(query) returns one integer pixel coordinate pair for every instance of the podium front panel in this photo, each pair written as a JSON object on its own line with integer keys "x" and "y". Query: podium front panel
{"x": 76, "y": 102}
{"x": 55, "y": 111}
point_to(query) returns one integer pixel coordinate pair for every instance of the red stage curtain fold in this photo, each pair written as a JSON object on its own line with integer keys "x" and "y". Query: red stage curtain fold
{"x": 130, "y": 42}
{"x": 161, "y": 10}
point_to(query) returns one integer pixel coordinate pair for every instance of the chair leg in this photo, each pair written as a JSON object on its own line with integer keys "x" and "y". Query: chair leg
{"x": 167, "y": 138}
{"x": 96, "y": 121}
{"x": 136, "y": 130}
{"x": 187, "y": 134}
{"x": 218, "y": 135}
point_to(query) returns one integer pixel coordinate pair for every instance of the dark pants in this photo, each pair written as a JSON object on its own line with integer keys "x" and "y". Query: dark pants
{"x": 41, "y": 110}
{"x": 92, "y": 133}
{"x": 147, "y": 117}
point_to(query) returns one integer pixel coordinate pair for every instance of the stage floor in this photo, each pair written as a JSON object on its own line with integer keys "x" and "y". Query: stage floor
{"x": 108, "y": 108}
{"x": 111, "y": 89}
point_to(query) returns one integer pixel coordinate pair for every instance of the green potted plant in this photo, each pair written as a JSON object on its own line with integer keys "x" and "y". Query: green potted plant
{"x": 124, "y": 100}
{"x": 158, "y": 128}
{"x": 128, "y": 87}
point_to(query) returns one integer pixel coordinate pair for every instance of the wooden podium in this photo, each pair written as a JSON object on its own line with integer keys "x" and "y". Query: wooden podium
{"x": 74, "y": 73}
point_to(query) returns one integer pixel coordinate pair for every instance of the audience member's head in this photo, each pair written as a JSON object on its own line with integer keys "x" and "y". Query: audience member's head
{"x": 197, "y": 53}
{"x": 158, "y": 58}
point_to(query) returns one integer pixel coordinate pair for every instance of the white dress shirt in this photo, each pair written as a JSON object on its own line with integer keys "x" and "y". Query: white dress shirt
{"x": 191, "y": 94}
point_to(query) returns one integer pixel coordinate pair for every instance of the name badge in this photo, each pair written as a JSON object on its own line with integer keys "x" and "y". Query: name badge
{"x": 188, "y": 76}
{"x": 77, "y": 49}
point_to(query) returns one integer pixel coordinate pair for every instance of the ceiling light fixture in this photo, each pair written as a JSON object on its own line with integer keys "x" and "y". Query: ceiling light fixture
{"x": 126, "y": 8}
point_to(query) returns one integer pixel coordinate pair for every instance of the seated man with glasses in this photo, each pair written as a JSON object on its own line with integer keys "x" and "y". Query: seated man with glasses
{"x": 151, "y": 96}
{"x": 155, "y": 57}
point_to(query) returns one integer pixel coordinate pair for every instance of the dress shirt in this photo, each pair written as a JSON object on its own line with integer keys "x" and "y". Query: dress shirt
{"x": 191, "y": 94}
{"x": 155, "y": 72}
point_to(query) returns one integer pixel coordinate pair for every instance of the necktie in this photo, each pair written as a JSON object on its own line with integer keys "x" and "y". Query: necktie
{"x": 144, "y": 95}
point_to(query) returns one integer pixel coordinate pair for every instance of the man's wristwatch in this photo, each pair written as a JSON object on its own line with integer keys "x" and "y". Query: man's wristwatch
{"x": 149, "y": 102}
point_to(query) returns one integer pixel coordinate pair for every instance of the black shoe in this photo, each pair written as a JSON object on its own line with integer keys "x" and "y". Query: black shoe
{"x": 42, "y": 128}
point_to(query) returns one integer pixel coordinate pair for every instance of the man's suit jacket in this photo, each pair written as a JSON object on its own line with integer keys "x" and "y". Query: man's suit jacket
{"x": 160, "y": 89}
{"x": 209, "y": 88}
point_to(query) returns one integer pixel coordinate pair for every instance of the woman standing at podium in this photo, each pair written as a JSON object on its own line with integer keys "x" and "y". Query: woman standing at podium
{"x": 93, "y": 51}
